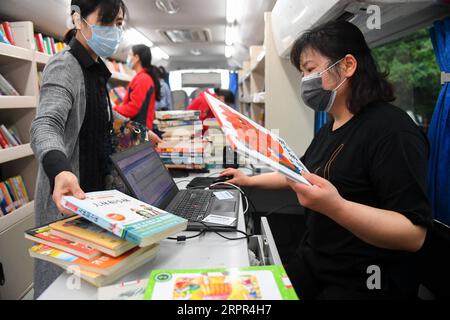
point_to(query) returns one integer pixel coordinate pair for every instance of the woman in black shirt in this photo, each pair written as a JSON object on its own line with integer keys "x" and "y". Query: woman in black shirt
{"x": 367, "y": 209}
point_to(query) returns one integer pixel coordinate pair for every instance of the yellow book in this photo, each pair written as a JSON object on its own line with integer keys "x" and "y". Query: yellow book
{"x": 80, "y": 230}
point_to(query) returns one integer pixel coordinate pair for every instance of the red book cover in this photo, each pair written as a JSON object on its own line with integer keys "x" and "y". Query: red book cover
{"x": 42, "y": 235}
{"x": 8, "y": 32}
{"x": 40, "y": 42}
{"x": 3, "y": 141}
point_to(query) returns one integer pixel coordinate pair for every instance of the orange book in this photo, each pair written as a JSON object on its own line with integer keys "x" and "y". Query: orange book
{"x": 104, "y": 264}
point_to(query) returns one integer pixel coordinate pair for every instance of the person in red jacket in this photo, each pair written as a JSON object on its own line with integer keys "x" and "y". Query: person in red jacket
{"x": 200, "y": 103}
{"x": 144, "y": 89}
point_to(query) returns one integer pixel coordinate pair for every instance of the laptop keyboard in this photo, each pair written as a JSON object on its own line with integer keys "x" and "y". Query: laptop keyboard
{"x": 193, "y": 206}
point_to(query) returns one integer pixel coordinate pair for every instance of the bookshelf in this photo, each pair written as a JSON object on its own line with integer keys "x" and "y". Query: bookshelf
{"x": 252, "y": 85}
{"x": 19, "y": 65}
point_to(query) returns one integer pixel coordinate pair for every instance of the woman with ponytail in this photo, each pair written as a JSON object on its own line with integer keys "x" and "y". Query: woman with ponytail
{"x": 144, "y": 90}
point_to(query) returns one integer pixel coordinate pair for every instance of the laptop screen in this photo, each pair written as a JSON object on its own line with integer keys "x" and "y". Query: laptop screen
{"x": 146, "y": 175}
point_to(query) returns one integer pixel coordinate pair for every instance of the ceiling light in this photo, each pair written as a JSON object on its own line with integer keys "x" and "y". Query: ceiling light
{"x": 230, "y": 35}
{"x": 168, "y": 6}
{"x": 158, "y": 53}
{"x": 229, "y": 51}
{"x": 196, "y": 52}
{"x": 136, "y": 37}
{"x": 232, "y": 11}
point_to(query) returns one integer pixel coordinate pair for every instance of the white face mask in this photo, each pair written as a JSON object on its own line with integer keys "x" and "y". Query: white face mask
{"x": 314, "y": 95}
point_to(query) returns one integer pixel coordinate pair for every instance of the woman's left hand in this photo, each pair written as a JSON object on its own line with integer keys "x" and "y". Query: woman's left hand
{"x": 322, "y": 196}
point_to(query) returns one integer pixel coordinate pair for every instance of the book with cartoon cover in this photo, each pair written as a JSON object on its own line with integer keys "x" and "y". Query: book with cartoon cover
{"x": 251, "y": 283}
{"x": 126, "y": 217}
{"x": 251, "y": 139}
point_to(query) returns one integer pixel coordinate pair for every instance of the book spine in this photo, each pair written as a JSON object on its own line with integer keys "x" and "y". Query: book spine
{"x": 8, "y": 32}
{"x": 15, "y": 190}
{"x": 40, "y": 42}
{"x": 23, "y": 188}
{"x": 8, "y": 136}
{"x": 3, "y": 141}
{"x": 15, "y": 134}
{"x": 9, "y": 200}
{"x": 3, "y": 38}
{"x": 15, "y": 203}
{"x": 7, "y": 88}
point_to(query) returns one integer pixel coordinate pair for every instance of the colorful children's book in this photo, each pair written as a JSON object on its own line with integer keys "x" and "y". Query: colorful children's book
{"x": 80, "y": 230}
{"x": 104, "y": 264}
{"x": 252, "y": 283}
{"x": 252, "y": 140}
{"x": 126, "y": 217}
{"x": 42, "y": 235}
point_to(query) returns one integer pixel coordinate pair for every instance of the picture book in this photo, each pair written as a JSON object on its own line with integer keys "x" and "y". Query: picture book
{"x": 252, "y": 140}
{"x": 78, "y": 229}
{"x": 104, "y": 264}
{"x": 126, "y": 217}
{"x": 42, "y": 235}
{"x": 252, "y": 283}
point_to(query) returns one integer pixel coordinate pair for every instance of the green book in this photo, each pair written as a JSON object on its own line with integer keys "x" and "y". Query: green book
{"x": 250, "y": 283}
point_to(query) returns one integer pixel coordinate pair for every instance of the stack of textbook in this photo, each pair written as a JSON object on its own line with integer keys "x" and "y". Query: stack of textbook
{"x": 183, "y": 145}
{"x": 111, "y": 235}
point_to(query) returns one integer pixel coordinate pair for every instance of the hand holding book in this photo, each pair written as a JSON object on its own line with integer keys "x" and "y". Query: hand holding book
{"x": 66, "y": 184}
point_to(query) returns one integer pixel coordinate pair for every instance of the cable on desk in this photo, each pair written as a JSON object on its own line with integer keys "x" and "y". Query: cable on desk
{"x": 215, "y": 230}
{"x": 184, "y": 238}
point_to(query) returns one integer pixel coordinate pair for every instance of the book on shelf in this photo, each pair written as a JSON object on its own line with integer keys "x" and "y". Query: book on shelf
{"x": 48, "y": 45}
{"x": 126, "y": 217}
{"x": 182, "y": 147}
{"x": 9, "y": 137}
{"x": 80, "y": 230}
{"x": 3, "y": 38}
{"x": 6, "y": 88}
{"x": 43, "y": 235}
{"x": 250, "y": 283}
{"x": 103, "y": 264}
{"x": 130, "y": 290}
{"x": 13, "y": 195}
{"x": 164, "y": 125}
{"x": 252, "y": 140}
{"x": 116, "y": 94}
{"x": 6, "y": 30}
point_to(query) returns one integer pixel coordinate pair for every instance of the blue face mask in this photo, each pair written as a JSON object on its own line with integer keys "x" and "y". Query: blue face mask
{"x": 130, "y": 62}
{"x": 105, "y": 40}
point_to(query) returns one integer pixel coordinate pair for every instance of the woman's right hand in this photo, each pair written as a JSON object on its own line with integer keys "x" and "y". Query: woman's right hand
{"x": 66, "y": 184}
{"x": 239, "y": 178}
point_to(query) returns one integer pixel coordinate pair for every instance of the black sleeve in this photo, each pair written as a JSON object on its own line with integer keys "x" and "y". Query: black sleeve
{"x": 55, "y": 162}
{"x": 398, "y": 171}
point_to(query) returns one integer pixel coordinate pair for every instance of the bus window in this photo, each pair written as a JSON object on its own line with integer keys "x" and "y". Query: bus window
{"x": 415, "y": 74}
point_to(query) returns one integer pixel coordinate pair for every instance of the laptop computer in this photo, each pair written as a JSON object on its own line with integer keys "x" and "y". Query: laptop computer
{"x": 148, "y": 180}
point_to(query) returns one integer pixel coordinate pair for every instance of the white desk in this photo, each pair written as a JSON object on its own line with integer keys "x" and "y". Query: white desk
{"x": 207, "y": 251}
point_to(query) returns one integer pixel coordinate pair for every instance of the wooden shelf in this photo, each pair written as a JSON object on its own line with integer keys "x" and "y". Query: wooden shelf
{"x": 120, "y": 77}
{"x": 15, "y": 153}
{"x": 16, "y": 216}
{"x": 17, "y": 102}
{"x": 9, "y": 53}
{"x": 41, "y": 58}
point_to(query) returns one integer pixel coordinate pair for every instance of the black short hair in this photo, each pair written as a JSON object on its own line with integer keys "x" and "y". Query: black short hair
{"x": 227, "y": 94}
{"x": 335, "y": 40}
{"x": 109, "y": 9}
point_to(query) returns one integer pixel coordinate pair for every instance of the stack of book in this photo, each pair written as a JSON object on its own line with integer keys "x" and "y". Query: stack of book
{"x": 13, "y": 195}
{"x": 183, "y": 145}
{"x": 48, "y": 45}
{"x": 6, "y": 88}
{"x": 216, "y": 143}
{"x": 6, "y": 34}
{"x": 111, "y": 235}
{"x": 116, "y": 94}
{"x": 9, "y": 137}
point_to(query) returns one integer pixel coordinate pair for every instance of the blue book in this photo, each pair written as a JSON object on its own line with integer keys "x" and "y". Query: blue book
{"x": 3, "y": 38}
{"x": 126, "y": 217}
